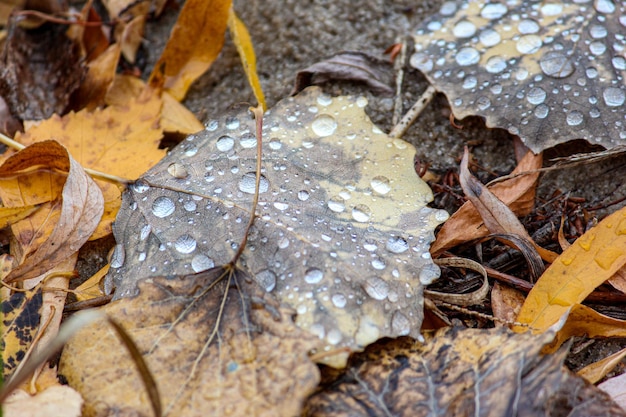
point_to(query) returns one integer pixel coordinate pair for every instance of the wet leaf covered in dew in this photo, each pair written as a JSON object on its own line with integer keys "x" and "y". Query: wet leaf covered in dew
{"x": 548, "y": 72}
{"x": 342, "y": 233}
{"x": 460, "y": 372}
{"x": 211, "y": 351}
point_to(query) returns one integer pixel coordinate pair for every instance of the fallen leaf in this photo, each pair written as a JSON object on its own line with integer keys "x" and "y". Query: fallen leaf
{"x": 517, "y": 193}
{"x": 195, "y": 42}
{"x": 10, "y": 215}
{"x": 616, "y": 388}
{"x": 209, "y": 349}
{"x": 591, "y": 260}
{"x": 505, "y": 303}
{"x": 71, "y": 209}
{"x": 91, "y": 287}
{"x": 99, "y": 78}
{"x": 548, "y": 72}
{"x": 348, "y": 66}
{"x": 343, "y": 230}
{"x": 598, "y": 370}
{"x": 242, "y": 41}
{"x": 59, "y": 400}
{"x": 496, "y": 215}
{"x": 459, "y": 372}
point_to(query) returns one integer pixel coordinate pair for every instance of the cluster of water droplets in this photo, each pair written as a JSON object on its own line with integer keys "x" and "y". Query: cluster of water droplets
{"x": 545, "y": 71}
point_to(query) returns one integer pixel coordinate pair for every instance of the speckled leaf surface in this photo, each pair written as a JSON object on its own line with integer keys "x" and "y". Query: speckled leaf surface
{"x": 342, "y": 233}
{"x": 548, "y": 72}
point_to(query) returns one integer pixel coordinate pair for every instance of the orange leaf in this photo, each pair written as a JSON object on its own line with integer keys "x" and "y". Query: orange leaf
{"x": 517, "y": 193}
{"x": 195, "y": 42}
{"x": 582, "y": 267}
{"x": 71, "y": 209}
{"x": 242, "y": 41}
{"x": 99, "y": 77}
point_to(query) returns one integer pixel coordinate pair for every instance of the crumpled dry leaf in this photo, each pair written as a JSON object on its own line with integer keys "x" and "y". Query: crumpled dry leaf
{"x": 516, "y": 193}
{"x": 212, "y": 344}
{"x": 591, "y": 260}
{"x": 348, "y": 66}
{"x": 460, "y": 372}
{"x": 71, "y": 207}
{"x": 41, "y": 68}
{"x": 549, "y": 72}
{"x": 343, "y": 230}
{"x": 195, "y": 42}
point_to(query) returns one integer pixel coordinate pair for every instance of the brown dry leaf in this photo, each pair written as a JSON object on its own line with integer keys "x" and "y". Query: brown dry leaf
{"x": 505, "y": 302}
{"x": 518, "y": 193}
{"x": 41, "y": 68}
{"x": 598, "y": 370}
{"x": 343, "y": 226}
{"x": 132, "y": 36}
{"x": 618, "y": 280}
{"x": 460, "y": 372}
{"x": 496, "y": 215}
{"x": 121, "y": 140}
{"x": 212, "y": 344}
{"x": 59, "y": 400}
{"x": 195, "y": 42}
{"x": 71, "y": 207}
{"x": 98, "y": 80}
{"x": 591, "y": 260}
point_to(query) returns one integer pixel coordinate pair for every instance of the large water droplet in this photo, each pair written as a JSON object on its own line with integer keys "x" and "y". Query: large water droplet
{"x": 275, "y": 144}
{"x": 464, "y": 29}
{"x": 201, "y": 263}
{"x": 232, "y": 123}
{"x": 493, "y": 11}
{"x": 339, "y": 300}
{"x": 376, "y": 288}
{"x": 467, "y": 56}
{"x": 552, "y": 9}
{"x": 303, "y": 195}
{"x": 536, "y": 95}
{"x": 489, "y": 37}
{"x": 336, "y": 204}
{"x": 380, "y": 185}
{"x": 378, "y": 264}
{"x": 247, "y": 183}
{"x": 140, "y": 186}
{"x": 185, "y": 244}
{"x": 574, "y": 118}
{"x": 163, "y": 207}
{"x": 324, "y": 100}
{"x": 281, "y": 206}
{"x": 556, "y": 65}
{"x": 118, "y": 257}
{"x": 421, "y": 61}
{"x": 429, "y": 273}
{"x": 400, "y": 324}
{"x": 528, "y": 44}
{"x": 361, "y": 213}
{"x": 324, "y": 125}
{"x": 225, "y": 143}
{"x": 495, "y": 64}
{"x": 597, "y": 48}
{"x": 177, "y": 171}
{"x": 313, "y": 275}
{"x": 448, "y": 8}
{"x": 614, "y": 96}
{"x": 541, "y": 111}
{"x": 266, "y": 279}
{"x": 483, "y": 103}
{"x": 528, "y": 26}
{"x": 334, "y": 336}
{"x": 470, "y": 82}
{"x": 397, "y": 244}
{"x": 619, "y": 63}
{"x": 247, "y": 140}
{"x": 598, "y": 31}
{"x": 604, "y": 6}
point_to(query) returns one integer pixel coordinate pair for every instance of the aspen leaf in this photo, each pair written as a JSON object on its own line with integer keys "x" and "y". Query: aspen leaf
{"x": 588, "y": 262}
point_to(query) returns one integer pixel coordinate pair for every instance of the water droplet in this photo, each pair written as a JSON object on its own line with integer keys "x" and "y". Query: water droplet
{"x": 604, "y": 6}
{"x": 464, "y": 29}
{"x": 334, "y": 337}
{"x": 232, "y": 123}
{"x": 429, "y": 273}
{"x": 586, "y": 240}
{"x": 493, "y": 11}
{"x": 551, "y": 9}
{"x": 541, "y": 111}
{"x": 283, "y": 243}
{"x": 470, "y": 82}
{"x": 370, "y": 245}
{"x": 536, "y": 95}
{"x": 591, "y": 72}
{"x": 378, "y": 264}
{"x": 324, "y": 100}
{"x": 574, "y": 118}
{"x": 140, "y": 186}
{"x": 598, "y": 32}
{"x": 380, "y": 185}
{"x": 528, "y": 44}
{"x": 281, "y": 206}
{"x": 361, "y": 213}
{"x": 361, "y": 101}
{"x": 483, "y": 103}
{"x": 211, "y": 125}
{"x": 313, "y": 275}
{"x": 247, "y": 183}
{"x": 336, "y": 204}
{"x": 117, "y": 259}
{"x": 556, "y": 65}
{"x": 400, "y": 324}
{"x": 201, "y": 263}
{"x": 324, "y": 125}
{"x": 266, "y": 279}
{"x": 163, "y": 207}
{"x": 247, "y": 140}
{"x": 489, "y": 37}
{"x": 397, "y": 244}
{"x": 495, "y": 64}
{"x": 614, "y": 96}
{"x": 190, "y": 205}
{"x": 303, "y": 195}
{"x": 467, "y": 56}
{"x": 178, "y": 171}
{"x": 185, "y": 244}
{"x": 145, "y": 232}
{"x": 619, "y": 63}
{"x": 275, "y": 144}
{"x": 339, "y": 300}
{"x": 421, "y": 61}
{"x": 190, "y": 150}
{"x": 448, "y": 8}
{"x": 528, "y": 26}
{"x": 376, "y": 288}
{"x": 607, "y": 257}
{"x": 225, "y": 143}
{"x": 597, "y": 48}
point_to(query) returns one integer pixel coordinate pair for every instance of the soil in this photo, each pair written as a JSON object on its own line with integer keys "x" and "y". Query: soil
{"x": 290, "y": 35}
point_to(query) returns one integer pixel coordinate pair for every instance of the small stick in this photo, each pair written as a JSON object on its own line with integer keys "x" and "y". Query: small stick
{"x": 415, "y": 110}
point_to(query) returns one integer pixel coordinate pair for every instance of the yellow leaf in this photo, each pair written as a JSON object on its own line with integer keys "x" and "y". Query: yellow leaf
{"x": 195, "y": 42}
{"x": 590, "y": 261}
{"x": 242, "y": 41}
{"x": 10, "y": 215}
{"x": 598, "y": 370}
{"x": 91, "y": 288}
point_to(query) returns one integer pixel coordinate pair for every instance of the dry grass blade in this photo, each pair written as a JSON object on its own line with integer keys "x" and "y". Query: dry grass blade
{"x": 473, "y": 298}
